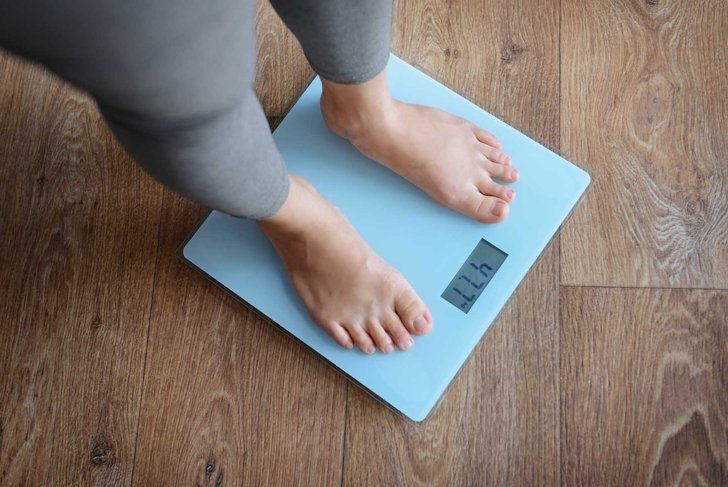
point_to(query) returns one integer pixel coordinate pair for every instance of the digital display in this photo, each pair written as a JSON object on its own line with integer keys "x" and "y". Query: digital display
{"x": 474, "y": 275}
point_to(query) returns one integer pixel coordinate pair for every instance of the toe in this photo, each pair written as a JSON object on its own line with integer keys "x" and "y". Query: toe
{"x": 490, "y": 188}
{"x": 339, "y": 334}
{"x": 413, "y": 313}
{"x": 380, "y": 337}
{"x": 361, "y": 338}
{"x": 393, "y": 325}
{"x": 496, "y": 155}
{"x": 486, "y": 137}
{"x": 486, "y": 209}
{"x": 502, "y": 172}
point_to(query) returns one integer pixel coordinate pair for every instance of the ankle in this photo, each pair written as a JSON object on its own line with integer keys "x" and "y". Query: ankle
{"x": 352, "y": 110}
{"x": 292, "y": 217}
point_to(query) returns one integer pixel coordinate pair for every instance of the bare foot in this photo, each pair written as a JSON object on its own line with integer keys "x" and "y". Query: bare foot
{"x": 349, "y": 290}
{"x": 449, "y": 158}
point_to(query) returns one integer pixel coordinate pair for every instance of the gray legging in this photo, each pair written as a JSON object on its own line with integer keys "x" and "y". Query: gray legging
{"x": 173, "y": 79}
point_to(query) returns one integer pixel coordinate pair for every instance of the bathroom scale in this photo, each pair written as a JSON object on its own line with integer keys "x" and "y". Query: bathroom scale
{"x": 463, "y": 270}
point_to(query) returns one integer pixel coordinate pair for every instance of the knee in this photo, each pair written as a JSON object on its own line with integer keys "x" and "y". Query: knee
{"x": 225, "y": 158}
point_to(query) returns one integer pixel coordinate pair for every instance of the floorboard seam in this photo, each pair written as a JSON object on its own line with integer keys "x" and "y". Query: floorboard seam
{"x": 146, "y": 345}
{"x": 560, "y": 142}
{"x": 656, "y": 288}
{"x": 346, "y": 427}
{"x": 560, "y": 274}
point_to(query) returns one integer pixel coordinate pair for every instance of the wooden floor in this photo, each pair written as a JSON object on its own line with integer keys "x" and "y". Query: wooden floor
{"x": 119, "y": 365}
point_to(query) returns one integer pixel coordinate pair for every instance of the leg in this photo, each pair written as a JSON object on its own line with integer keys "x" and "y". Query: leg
{"x": 449, "y": 158}
{"x": 175, "y": 87}
{"x": 348, "y": 289}
{"x": 346, "y": 41}
{"x": 389, "y": 310}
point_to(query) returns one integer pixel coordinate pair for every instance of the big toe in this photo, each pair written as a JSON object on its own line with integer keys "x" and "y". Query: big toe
{"x": 485, "y": 208}
{"x": 413, "y": 313}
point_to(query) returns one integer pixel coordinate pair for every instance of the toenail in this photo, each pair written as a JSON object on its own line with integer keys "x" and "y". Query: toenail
{"x": 511, "y": 194}
{"x": 388, "y": 348}
{"x": 420, "y": 322}
{"x": 410, "y": 342}
{"x": 514, "y": 173}
{"x": 498, "y": 209}
{"x": 369, "y": 349}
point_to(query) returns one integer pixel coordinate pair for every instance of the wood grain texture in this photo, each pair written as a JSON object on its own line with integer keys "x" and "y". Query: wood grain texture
{"x": 78, "y": 231}
{"x": 644, "y": 107}
{"x": 644, "y": 387}
{"x": 502, "y": 55}
{"x": 498, "y": 423}
{"x": 119, "y": 365}
{"x": 282, "y": 71}
{"x": 228, "y": 399}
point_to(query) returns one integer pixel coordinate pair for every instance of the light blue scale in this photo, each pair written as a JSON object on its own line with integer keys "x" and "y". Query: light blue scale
{"x": 441, "y": 253}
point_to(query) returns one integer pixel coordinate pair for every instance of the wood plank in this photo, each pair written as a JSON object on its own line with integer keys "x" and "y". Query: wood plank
{"x": 644, "y": 106}
{"x": 645, "y": 387}
{"x": 282, "y": 70}
{"x": 501, "y": 55}
{"x": 498, "y": 423}
{"x": 227, "y": 398}
{"x": 78, "y": 234}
